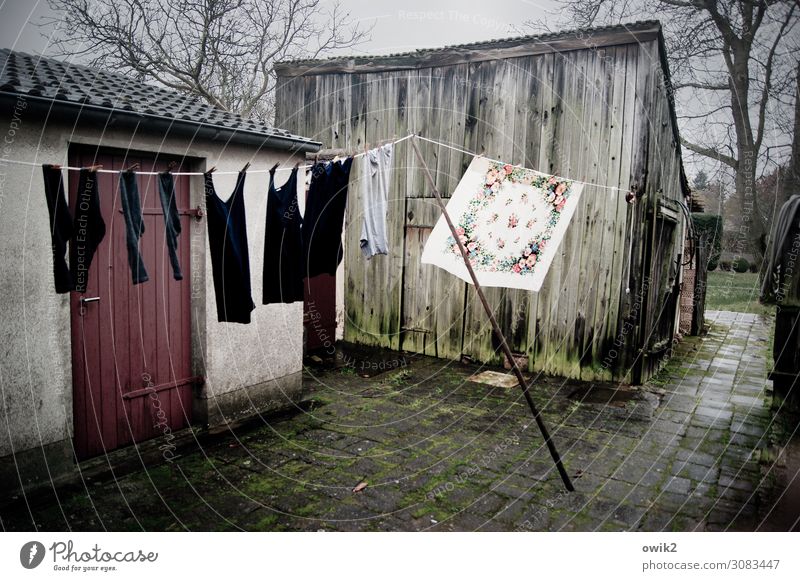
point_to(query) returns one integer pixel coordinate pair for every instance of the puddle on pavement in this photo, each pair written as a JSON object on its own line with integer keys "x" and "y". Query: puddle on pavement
{"x": 363, "y": 361}
{"x": 603, "y": 394}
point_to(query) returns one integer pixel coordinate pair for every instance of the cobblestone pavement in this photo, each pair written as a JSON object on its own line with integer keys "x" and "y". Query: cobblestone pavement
{"x": 439, "y": 452}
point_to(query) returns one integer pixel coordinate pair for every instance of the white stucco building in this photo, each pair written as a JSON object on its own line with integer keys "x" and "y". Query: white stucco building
{"x": 77, "y": 378}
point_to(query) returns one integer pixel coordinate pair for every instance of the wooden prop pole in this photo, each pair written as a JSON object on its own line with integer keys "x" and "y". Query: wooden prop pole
{"x": 495, "y": 327}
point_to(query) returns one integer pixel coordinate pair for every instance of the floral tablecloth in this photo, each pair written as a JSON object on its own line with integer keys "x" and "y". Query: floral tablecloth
{"x": 510, "y": 219}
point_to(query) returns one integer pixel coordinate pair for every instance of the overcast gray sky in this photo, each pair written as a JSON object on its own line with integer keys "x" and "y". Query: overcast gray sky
{"x": 399, "y": 26}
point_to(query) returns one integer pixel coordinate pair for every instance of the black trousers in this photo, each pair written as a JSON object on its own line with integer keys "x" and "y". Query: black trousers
{"x": 88, "y": 229}
{"x": 134, "y": 224}
{"x": 172, "y": 220}
{"x": 60, "y": 226}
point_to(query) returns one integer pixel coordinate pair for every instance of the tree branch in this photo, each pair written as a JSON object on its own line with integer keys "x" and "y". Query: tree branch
{"x": 710, "y": 153}
{"x": 704, "y": 86}
{"x": 220, "y": 50}
{"x": 762, "y": 106}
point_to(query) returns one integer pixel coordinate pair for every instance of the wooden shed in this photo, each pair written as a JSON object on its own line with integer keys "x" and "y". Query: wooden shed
{"x": 591, "y": 105}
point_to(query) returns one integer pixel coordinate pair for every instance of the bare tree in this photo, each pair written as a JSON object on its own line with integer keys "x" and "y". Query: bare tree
{"x": 221, "y": 50}
{"x": 730, "y": 61}
{"x": 791, "y": 182}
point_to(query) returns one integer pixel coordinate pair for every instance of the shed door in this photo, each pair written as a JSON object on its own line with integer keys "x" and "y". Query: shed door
{"x": 435, "y": 329}
{"x": 131, "y": 357}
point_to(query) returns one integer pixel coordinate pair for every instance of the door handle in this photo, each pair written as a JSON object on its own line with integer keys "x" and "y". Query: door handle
{"x": 82, "y": 301}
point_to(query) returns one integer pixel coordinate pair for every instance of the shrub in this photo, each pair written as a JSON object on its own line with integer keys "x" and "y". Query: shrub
{"x": 741, "y": 265}
{"x": 725, "y": 264}
{"x": 709, "y": 226}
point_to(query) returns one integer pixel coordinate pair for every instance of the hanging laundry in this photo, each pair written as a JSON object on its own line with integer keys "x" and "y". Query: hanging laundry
{"x": 781, "y": 282}
{"x": 511, "y": 221}
{"x": 134, "y": 224}
{"x": 376, "y": 176}
{"x": 230, "y": 257}
{"x": 283, "y": 243}
{"x": 88, "y": 229}
{"x": 60, "y": 226}
{"x": 172, "y": 220}
{"x": 324, "y": 217}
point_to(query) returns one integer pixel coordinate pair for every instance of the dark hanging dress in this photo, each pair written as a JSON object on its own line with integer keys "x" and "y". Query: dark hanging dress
{"x": 324, "y": 217}
{"x": 230, "y": 258}
{"x": 283, "y": 243}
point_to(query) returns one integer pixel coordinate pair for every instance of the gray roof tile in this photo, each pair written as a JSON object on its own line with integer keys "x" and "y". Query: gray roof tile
{"x": 26, "y": 74}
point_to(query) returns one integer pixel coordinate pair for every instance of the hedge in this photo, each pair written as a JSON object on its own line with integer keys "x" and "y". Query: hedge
{"x": 741, "y": 265}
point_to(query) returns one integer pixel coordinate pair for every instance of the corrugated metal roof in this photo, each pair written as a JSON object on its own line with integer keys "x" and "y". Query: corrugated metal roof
{"x": 486, "y": 44}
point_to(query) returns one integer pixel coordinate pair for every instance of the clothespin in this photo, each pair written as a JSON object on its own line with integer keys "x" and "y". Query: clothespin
{"x": 56, "y": 166}
{"x": 93, "y": 168}
{"x": 133, "y": 167}
{"x": 171, "y": 166}
{"x": 212, "y": 169}
{"x": 244, "y": 169}
{"x": 272, "y": 169}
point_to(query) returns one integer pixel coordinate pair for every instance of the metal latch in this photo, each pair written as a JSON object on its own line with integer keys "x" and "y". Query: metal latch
{"x": 83, "y": 301}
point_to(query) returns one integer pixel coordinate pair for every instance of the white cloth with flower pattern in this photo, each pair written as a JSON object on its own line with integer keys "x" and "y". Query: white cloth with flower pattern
{"x": 510, "y": 219}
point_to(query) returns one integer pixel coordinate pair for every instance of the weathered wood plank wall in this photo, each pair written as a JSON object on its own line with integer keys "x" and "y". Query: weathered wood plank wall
{"x": 600, "y": 115}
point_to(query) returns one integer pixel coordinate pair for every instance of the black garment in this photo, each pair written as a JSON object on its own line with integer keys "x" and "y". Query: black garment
{"x": 324, "y": 217}
{"x": 88, "y": 229}
{"x": 134, "y": 224}
{"x": 781, "y": 282}
{"x": 60, "y": 226}
{"x": 172, "y": 220}
{"x": 230, "y": 258}
{"x": 283, "y": 243}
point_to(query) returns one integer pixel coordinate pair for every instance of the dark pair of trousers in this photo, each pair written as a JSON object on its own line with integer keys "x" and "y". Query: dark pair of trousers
{"x": 88, "y": 229}
{"x": 134, "y": 223}
{"x": 172, "y": 220}
{"x": 84, "y": 232}
{"x": 60, "y": 226}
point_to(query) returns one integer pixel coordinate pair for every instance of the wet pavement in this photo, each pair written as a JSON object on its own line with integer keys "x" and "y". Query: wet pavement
{"x": 430, "y": 450}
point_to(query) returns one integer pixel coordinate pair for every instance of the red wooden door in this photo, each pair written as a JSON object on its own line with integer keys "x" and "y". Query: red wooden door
{"x": 131, "y": 355}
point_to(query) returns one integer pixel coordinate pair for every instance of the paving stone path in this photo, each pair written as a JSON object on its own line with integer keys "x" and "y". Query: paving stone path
{"x": 439, "y": 452}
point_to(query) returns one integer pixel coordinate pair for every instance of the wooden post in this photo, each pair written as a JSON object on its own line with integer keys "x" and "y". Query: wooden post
{"x": 496, "y": 327}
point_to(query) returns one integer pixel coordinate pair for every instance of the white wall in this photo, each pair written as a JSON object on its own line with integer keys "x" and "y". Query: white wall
{"x": 35, "y": 350}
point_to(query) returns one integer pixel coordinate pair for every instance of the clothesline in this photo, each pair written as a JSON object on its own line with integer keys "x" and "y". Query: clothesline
{"x": 467, "y": 152}
{"x": 309, "y": 166}
{"x": 189, "y": 173}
